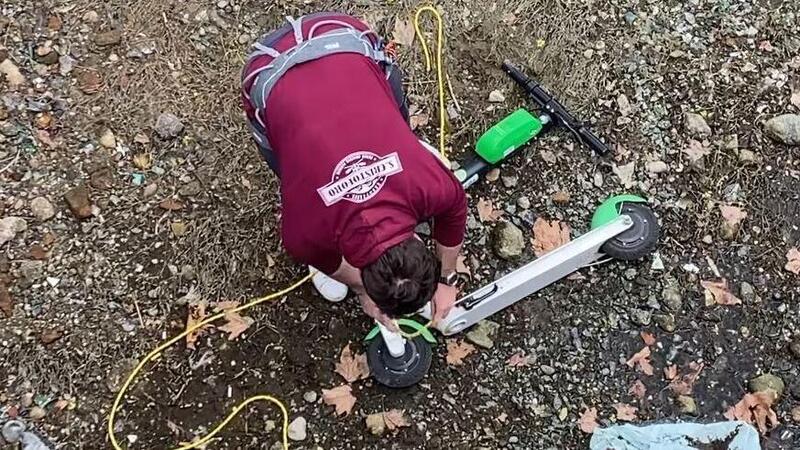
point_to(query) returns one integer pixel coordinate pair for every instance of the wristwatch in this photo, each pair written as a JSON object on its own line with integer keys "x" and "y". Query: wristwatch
{"x": 450, "y": 279}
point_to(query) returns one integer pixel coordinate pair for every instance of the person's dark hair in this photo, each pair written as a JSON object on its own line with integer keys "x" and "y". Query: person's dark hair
{"x": 403, "y": 279}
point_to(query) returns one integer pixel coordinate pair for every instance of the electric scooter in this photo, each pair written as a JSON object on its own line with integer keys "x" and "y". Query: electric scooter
{"x": 623, "y": 227}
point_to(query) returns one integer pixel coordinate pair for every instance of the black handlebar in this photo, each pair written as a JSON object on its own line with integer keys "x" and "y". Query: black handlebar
{"x": 553, "y": 108}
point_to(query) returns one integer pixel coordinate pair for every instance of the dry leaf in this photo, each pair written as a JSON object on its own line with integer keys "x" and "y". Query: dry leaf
{"x": 457, "y": 351}
{"x": 6, "y": 302}
{"x": 51, "y": 335}
{"x": 718, "y": 292}
{"x": 462, "y": 267}
{"x": 486, "y": 211}
{"x": 548, "y": 235}
{"x": 197, "y": 314}
{"x": 141, "y": 138}
{"x": 225, "y": 305}
{"x": 341, "y": 398}
{"x": 170, "y": 204}
{"x": 588, "y": 420}
{"x": 648, "y": 338}
{"x": 395, "y": 419}
{"x": 352, "y": 368}
{"x": 178, "y": 228}
{"x": 670, "y": 372}
{"x": 732, "y": 215}
{"x": 89, "y": 80}
{"x": 418, "y": 120}
{"x": 403, "y": 32}
{"x": 492, "y": 175}
{"x": 696, "y": 151}
{"x": 236, "y": 324}
{"x": 60, "y": 405}
{"x": 142, "y": 161}
{"x": 13, "y": 76}
{"x": 44, "y": 137}
{"x": 375, "y": 423}
{"x": 518, "y": 360}
{"x": 756, "y": 408}
{"x": 625, "y": 412}
{"x": 684, "y": 384}
{"x": 793, "y": 261}
{"x": 642, "y": 360}
{"x": 638, "y": 389}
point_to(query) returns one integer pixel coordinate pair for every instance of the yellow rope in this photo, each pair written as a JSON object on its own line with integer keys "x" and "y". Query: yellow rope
{"x": 155, "y": 353}
{"x": 439, "y": 67}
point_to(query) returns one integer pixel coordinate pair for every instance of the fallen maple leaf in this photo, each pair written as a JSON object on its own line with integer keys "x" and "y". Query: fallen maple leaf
{"x": 718, "y": 292}
{"x": 486, "y": 211}
{"x": 225, "y": 305}
{"x": 549, "y": 235}
{"x": 670, "y": 372}
{"x": 457, "y": 351}
{"x": 625, "y": 412}
{"x": 684, "y": 384}
{"x": 638, "y": 389}
{"x": 756, "y": 408}
{"x": 518, "y": 360}
{"x": 696, "y": 151}
{"x": 418, "y": 120}
{"x": 341, "y": 398}
{"x": 403, "y": 32}
{"x": 588, "y": 420}
{"x": 170, "y": 204}
{"x": 648, "y": 338}
{"x": 197, "y": 314}
{"x": 642, "y": 360}
{"x": 352, "y": 368}
{"x": 236, "y": 324}
{"x": 395, "y": 418}
{"x": 793, "y": 261}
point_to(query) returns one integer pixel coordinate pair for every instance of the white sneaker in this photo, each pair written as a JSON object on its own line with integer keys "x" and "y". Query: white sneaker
{"x": 330, "y": 289}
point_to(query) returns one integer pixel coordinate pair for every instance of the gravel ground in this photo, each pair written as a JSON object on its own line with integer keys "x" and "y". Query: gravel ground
{"x": 129, "y": 188}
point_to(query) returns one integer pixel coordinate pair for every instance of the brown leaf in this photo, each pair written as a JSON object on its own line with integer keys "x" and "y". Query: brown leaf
{"x": 670, "y": 372}
{"x": 395, "y": 418}
{"x": 718, "y": 292}
{"x": 341, "y": 398}
{"x": 642, "y": 360}
{"x": 625, "y": 412}
{"x": 518, "y": 360}
{"x": 733, "y": 215}
{"x": 549, "y": 235}
{"x": 352, "y": 368}
{"x": 225, "y": 305}
{"x": 696, "y": 151}
{"x": 756, "y": 408}
{"x": 793, "y": 261}
{"x": 38, "y": 252}
{"x": 638, "y": 389}
{"x": 197, "y": 314}
{"x": 89, "y": 80}
{"x": 51, "y": 335}
{"x": 418, "y": 120}
{"x": 684, "y": 384}
{"x": 13, "y": 76}
{"x": 457, "y": 351}
{"x": 6, "y": 302}
{"x": 403, "y": 32}
{"x": 462, "y": 267}
{"x": 648, "y": 338}
{"x": 486, "y": 211}
{"x": 44, "y": 137}
{"x": 236, "y": 324}
{"x": 142, "y": 161}
{"x": 588, "y": 420}
{"x": 170, "y": 204}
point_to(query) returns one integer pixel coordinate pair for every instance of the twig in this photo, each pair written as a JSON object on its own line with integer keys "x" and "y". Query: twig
{"x": 13, "y": 161}
{"x": 452, "y": 94}
{"x": 138, "y": 312}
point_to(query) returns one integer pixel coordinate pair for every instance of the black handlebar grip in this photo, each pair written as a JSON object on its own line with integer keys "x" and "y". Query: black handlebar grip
{"x": 593, "y": 141}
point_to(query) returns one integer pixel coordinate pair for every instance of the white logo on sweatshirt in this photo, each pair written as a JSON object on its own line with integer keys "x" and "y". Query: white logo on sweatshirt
{"x": 359, "y": 176}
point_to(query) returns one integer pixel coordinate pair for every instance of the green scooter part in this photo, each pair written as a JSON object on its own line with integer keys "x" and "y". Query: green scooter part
{"x": 611, "y": 208}
{"x": 508, "y": 135}
{"x": 414, "y": 325}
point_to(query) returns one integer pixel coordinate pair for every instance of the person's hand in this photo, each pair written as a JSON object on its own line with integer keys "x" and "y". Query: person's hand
{"x": 443, "y": 300}
{"x": 372, "y": 310}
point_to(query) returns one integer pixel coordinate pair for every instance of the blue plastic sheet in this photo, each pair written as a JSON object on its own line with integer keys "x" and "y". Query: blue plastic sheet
{"x": 675, "y": 436}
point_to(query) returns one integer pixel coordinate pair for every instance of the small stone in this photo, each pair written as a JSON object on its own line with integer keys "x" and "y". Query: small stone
{"x": 794, "y": 347}
{"x": 46, "y": 55}
{"x": 561, "y": 197}
{"x": 785, "y": 128}
{"x": 79, "y": 203}
{"x": 547, "y": 370}
{"x": 310, "y": 396}
{"x": 168, "y": 126}
{"x": 640, "y": 316}
{"x": 269, "y": 426}
{"x": 91, "y": 16}
{"x": 277, "y": 445}
{"x": 107, "y": 139}
{"x": 244, "y": 38}
{"x": 65, "y": 64}
{"x": 687, "y": 405}
{"x": 747, "y": 156}
{"x": 509, "y": 181}
{"x": 496, "y": 96}
{"x": 150, "y": 190}
{"x": 665, "y": 321}
{"x": 656, "y": 167}
{"x": 297, "y": 429}
{"x": 672, "y": 297}
{"x": 624, "y": 105}
{"x": 767, "y": 381}
{"x": 748, "y": 292}
{"x": 376, "y": 424}
{"x": 10, "y": 226}
{"x": 523, "y": 202}
{"x": 696, "y": 125}
{"x": 658, "y": 263}
{"x": 630, "y": 17}
{"x": 598, "y": 179}
{"x": 509, "y": 242}
{"x": 708, "y": 239}
{"x": 37, "y": 413}
{"x": 106, "y": 38}
{"x": 482, "y": 334}
{"x": 102, "y": 179}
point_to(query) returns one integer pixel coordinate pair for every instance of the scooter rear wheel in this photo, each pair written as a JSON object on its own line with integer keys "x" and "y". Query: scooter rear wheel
{"x": 638, "y": 241}
{"x": 405, "y": 371}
